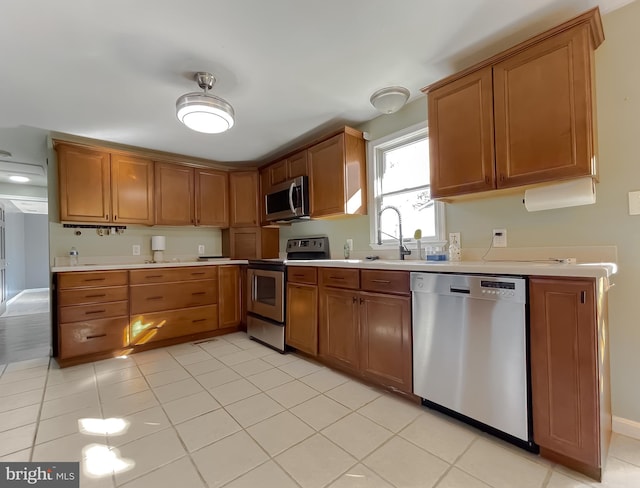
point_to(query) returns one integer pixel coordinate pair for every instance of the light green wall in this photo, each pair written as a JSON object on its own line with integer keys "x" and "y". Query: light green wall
{"x": 605, "y": 223}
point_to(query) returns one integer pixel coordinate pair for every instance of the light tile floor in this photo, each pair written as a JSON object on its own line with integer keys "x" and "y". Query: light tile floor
{"x": 232, "y": 413}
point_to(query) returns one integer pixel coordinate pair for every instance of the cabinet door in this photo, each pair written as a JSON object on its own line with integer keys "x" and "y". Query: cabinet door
{"x": 297, "y": 165}
{"x": 278, "y": 172}
{"x": 243, "y": 188}
{"x": 245, "y": 243}
{"x": 132, "y": 189}
{"x": 229, "y": 296}
{"x": 212, "y": 197}
{"x": 339, "y": 334}
{"x": 174, "y": 194}
{"x": 385, "y": 340}
{"x": 327, "y": 177}
{"x": 302, "y": 318}
{"x": 461, "y": 136}
{"x": 85, "y": 184}
{"x": 564, "y": 376}
{"x": 543, "y": 111}
{"x": 265, "y": 186}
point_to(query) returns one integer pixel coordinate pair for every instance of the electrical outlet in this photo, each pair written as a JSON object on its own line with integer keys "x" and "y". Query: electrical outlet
{"x": 136, "y": 249}
{"x": 499, "y": 238}
{"x": 454, "y": 237}
{"x": 200, "y": 249}
{"x": 350, "y": 244}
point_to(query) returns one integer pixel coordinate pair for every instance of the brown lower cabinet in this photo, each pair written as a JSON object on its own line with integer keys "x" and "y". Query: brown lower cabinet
{"x": 367, "y": 332}
{"x": 569, "y": 377}
{"x": 302, "y": 310}
{"x": 105, "y": 313}
{"x": 229, "y": 296}
{"x": 91, "y": 317}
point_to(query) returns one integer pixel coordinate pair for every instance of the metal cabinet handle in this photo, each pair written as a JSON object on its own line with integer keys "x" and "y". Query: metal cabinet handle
{"x": 90, "y": 312}
{"x": 198, "y": 320}
{"x": 94, "y": 279}
{"x": 96, "y": 296}
{"x": 361, "y": 301}
{"x": 198, "y": 293}
{"x": 336, "y": 277}
{"x": 354, "y": 299}
{"x": 196, "y": 273}
{"x": 386, "y": 282}
{"x": 153, "y": 276}
{"x": 583, "y": 296}
{"x": 97, "y": 336}
{"x": 155, "y": 298}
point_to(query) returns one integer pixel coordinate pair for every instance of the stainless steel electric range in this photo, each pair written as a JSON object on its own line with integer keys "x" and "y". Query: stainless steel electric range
{"x": 266, "y": 290}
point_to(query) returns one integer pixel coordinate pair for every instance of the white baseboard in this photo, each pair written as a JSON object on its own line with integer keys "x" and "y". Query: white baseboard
{"x": 626, "y": 427}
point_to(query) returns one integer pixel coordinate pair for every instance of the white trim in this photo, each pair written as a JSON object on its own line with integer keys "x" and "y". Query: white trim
{"x": 397, "y": 138}
{"x": 626, "y": 427}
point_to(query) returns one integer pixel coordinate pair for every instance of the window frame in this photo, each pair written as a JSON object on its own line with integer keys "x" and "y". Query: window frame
{"x": 375, "y": 153}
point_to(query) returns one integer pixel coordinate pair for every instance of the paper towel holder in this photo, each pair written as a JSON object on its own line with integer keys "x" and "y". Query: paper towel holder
{"x": 561, "y": 194}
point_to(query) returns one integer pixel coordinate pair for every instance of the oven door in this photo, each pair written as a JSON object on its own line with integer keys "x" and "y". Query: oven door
{"x": 266, "y": 293}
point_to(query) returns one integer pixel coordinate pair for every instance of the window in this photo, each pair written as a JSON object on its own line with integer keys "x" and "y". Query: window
{"x": 399, "y": 177}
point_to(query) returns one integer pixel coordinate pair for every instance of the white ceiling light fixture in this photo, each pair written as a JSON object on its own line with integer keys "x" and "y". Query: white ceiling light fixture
{"x": 203, "y": 112}
{"x": 389, "y": 100}
{"x": 19, "y": 179}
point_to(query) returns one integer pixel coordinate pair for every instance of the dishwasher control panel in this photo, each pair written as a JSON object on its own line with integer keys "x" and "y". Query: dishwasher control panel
{"x": 471, "y": 286}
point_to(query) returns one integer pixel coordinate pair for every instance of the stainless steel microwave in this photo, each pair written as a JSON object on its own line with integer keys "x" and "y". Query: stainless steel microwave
{"x": 288, "y": 201}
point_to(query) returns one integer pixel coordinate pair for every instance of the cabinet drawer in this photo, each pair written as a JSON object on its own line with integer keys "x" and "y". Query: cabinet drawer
{"x": 78, "y": 313}
{"x": 94, "y": 336}
{"x": 81, "y": 296}
{"x": 153, "y": 298}
{"x": 81, "y": 279}
{"x": 340, "y": 277}
{"x": 302, "y": 274}
{"x": 163, "y": 275}
{"x": 385, "y": 281}
{"x": 157, "y": 326}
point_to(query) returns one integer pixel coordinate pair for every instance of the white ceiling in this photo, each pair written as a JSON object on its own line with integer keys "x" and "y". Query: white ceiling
{"x": 112, "y": 70}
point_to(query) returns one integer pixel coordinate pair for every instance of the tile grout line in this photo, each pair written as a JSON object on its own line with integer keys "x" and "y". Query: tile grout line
{"x": 39, "y": 416}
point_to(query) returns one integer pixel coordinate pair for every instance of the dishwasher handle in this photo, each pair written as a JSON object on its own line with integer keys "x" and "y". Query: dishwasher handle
{"x": 466, "y": 291}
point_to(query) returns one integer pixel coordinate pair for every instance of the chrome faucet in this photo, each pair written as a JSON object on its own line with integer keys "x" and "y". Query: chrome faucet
{"x": 403, "y": 250}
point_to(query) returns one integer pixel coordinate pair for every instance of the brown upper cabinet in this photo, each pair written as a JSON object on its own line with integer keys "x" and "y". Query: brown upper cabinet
{"x": 96, "y": 186}
{"x": 533, "y": 103}
{"x": 287, "y": 169}
{"x": 244, "y": 208}
{"x": 338, "y": 175}
{"x": 191, "y": 196}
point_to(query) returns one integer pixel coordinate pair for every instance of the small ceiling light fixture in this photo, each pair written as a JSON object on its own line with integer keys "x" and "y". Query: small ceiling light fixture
{"x": 18, "y": 179}
{"x": 389, "y": 100}
{"x": 203, "y": 112}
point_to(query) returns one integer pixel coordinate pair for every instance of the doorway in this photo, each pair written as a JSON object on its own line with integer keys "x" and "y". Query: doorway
{"x": 25, "y": 321}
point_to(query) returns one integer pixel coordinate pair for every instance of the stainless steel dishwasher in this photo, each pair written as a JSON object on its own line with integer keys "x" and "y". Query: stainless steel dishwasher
{"x": 470, "y": 350}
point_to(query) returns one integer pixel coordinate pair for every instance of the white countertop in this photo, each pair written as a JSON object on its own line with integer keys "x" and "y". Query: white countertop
{"x": 525, "y": 268}
{"x": 171, "y": 264}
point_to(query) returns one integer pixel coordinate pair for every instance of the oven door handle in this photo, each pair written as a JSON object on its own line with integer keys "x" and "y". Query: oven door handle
{"x": 291, "y": 189}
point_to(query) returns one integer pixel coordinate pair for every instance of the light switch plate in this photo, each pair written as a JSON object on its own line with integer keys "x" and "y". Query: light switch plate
{"x": 200, "y": 249}
{"x": 136, "y": 250}
{"x": 634, "y": 203}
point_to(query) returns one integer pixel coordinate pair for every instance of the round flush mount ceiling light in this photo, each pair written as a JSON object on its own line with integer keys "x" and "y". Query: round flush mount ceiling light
{"x": 389, "y": 100}
{"x": 203, "y": 112}
{"x": 18, "y": 179}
